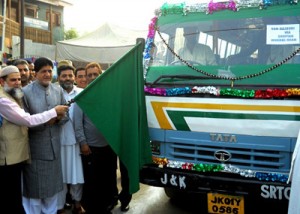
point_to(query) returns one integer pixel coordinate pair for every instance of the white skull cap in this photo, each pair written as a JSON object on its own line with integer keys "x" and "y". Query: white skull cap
{"x": 8, "y": 70}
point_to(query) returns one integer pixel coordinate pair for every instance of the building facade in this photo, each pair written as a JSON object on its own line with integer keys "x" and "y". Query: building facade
{"x": 40, "y": 22}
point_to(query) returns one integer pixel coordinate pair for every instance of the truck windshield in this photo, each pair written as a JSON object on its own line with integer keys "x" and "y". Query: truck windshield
{"x": 263, "y": 40}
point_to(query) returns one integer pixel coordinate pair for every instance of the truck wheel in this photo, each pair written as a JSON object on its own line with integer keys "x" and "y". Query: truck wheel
{"x": 172, "y": 193}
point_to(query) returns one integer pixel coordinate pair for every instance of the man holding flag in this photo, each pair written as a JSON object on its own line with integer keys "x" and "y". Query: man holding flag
{"x": 98, "y": 159}
{"x": 115, "y": 103}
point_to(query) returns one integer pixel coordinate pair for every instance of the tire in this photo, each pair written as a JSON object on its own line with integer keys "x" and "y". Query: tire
{"x": 174, "y": 194}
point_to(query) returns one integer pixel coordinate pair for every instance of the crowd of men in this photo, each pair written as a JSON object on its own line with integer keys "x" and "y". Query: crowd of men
{"x": 49, "y": 148}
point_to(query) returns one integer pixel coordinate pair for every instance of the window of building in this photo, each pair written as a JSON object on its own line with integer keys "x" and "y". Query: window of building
{"x": 31, "y": 11}
{"x": 56, "y": 18}
{"x": 13, "y": 13}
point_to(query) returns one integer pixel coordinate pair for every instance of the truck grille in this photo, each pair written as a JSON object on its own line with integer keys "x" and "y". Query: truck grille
{"x": 249, "y": 152}
{"x": 248, "y": 158}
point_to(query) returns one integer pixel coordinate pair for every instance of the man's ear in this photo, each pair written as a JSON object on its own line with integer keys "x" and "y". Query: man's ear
{"x": 1, "y": 81}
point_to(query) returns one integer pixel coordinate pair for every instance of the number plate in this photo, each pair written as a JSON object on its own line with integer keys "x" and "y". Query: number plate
{"x": 219, "y": 203}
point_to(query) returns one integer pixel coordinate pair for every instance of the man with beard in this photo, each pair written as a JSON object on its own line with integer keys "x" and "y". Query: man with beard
{"x": 70, "y": 149}
{"x": 42, "y": 178}
{"x": 14, "y": 147}
{"x": 31, "y": 70}
{"x": 22, "y": 65}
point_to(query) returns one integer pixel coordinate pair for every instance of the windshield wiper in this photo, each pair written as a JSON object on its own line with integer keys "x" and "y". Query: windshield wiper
{"x": 184, "y": 77}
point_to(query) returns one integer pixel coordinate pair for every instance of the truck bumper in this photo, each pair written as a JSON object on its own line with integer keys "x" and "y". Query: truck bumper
{"x": 259, "y": 196}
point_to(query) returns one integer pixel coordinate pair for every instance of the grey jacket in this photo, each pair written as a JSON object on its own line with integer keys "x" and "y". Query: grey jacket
{"x": 43, "y": 177}
{"x": 85, "y": 131}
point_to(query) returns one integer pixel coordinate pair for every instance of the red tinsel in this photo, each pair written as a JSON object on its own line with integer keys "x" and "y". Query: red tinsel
{"x": 270, "y": 93}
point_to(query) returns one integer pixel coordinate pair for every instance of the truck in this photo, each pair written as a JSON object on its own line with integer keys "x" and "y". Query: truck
{"x": 224, "y": 113}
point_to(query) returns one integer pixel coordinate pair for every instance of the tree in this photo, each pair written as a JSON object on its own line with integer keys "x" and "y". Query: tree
{"x": 70, "y": 34}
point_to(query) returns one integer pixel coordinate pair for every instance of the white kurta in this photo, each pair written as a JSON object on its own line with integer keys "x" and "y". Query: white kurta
{"x": 201, "y": 53}
{"x": 70, "y": 149}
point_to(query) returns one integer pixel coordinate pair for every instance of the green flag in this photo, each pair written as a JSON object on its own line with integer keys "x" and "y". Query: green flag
{"x": 115, "y": 103}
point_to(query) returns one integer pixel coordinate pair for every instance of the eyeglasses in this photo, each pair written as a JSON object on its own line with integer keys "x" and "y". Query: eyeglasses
{"x": 23, "y": 69}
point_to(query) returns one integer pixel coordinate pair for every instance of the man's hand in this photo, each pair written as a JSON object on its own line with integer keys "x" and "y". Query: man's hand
{"x": 52, "y": 121}
{"x": 85, "y": 149}
{"x": 61, "y": 110}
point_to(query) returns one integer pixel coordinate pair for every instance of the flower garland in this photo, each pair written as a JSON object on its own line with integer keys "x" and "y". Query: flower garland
{"x": 262, "y": 176}
{"x": 242, "y": 93}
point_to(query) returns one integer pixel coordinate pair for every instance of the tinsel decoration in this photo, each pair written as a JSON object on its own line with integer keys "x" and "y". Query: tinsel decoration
{"x": 293, "y": 91}
{"x": 149, "y": 44}
{"x": 195, "y": 8}
{"x": 237, "y": 93}
{"x": 173, "y": 9}
{"x": 271, "y": 177}
{"x": 206, "y": 90}
{"x": 208, "y": 8}
{"x": 236, "y": 170}
{"x": 178, "y": 91}
{"x": 231, "y": 92}
{"x": 228, "y": 168}
{"x": 195, "y": 167}
{"x": 270, "y": 93}
{"x": 265, "y": 4}
{"x": 216, "y": 6}
{"x": 155, "y": 91}
{"x": 160, "y": 161}
{"x": 207, "y": 167}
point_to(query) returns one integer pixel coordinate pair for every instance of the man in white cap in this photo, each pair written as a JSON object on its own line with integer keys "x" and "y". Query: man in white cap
{"x": 14, "y": 147}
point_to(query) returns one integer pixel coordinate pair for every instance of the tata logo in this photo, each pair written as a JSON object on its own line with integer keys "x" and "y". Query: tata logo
{"x": 222, "y": 155}
{"x": 223, "y": 138}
